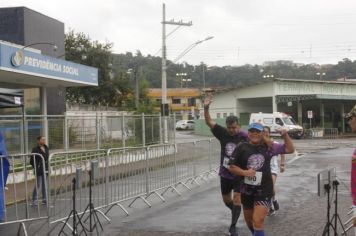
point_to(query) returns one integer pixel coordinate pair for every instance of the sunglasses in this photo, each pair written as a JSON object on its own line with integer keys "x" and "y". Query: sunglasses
{"x": 349, "y": 118}
{"x": 254, "y": 130}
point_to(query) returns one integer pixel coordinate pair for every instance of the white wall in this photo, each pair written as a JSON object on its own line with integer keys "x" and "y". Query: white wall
{"x": 228, "y": 101}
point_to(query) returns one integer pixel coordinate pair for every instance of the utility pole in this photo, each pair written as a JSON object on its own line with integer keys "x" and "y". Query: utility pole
{"x": 136, "y": 90}
{"x": 203, "y": 76}
{"x": 164, "y": 105}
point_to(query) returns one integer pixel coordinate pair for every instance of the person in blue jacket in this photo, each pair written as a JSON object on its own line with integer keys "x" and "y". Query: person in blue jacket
{"x": 4, "y": 171}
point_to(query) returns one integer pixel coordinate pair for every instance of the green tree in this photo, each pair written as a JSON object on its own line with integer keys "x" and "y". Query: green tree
{"x": 112, "y": 87}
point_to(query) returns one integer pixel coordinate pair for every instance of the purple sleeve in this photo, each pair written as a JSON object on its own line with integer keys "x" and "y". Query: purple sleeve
{"x": 243, "y": 134}
{"x": 278, "y": 148}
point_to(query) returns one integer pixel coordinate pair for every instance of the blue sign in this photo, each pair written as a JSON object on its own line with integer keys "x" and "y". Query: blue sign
{"x": 27, "y": 62}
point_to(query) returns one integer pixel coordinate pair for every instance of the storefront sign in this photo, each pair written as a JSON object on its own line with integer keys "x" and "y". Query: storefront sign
{"x": 29, "y": 62}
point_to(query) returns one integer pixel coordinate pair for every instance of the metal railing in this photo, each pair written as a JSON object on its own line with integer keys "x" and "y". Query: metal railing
{"x": 323, "y": 133}
{"x": 128, "y": 174}
{"x": 17, "y": 204}
{"x": 80, "y": 132}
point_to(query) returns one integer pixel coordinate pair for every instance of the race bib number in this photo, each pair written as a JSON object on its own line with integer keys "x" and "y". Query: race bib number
{"x": 255, "y": 180}
{"x": 226, "y": 162}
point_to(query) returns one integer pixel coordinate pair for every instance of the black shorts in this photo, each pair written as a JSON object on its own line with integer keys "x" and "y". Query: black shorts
{"x": 249, "y": 201}
{"x": 228, "y": 185}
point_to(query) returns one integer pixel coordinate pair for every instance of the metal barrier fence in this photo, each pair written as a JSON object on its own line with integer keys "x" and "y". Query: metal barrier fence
{"x": 16, "y": 203}
{"x": 80, "y": 132}
{"x": 325, "y": 133}
{"x": 128, "y": 174}
{"x": 63, "y": 168}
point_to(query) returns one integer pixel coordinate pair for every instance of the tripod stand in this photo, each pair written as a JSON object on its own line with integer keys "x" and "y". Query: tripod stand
{"x": 91, "y": 209}
{"x": 73, "y": 214}
{"x": 328, "y": 224}
{"x": 335, "y": 216}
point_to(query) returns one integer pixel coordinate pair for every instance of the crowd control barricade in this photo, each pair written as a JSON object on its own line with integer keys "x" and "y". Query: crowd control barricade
{"x": 331, "y": 133}
{"x": 126, "y": 176}
{"x": 324, "y": 133}
{"x": 185, "y": 163}
{"x": 215, "y": 151}
{"x": 205, "y": 158}
{"x": 64, "y": 166}
{"x": 16, "y": 201}
{"x": 162, "y": 173}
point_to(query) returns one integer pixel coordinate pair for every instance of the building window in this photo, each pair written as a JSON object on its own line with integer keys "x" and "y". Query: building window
{"x": 279, "y": 122}
{"x": 224, "y": 114}
{"x": 176, "y": 101}
{"x": 218, "y": 115}
{"x": 231, "y": 114}
{"x": 268, "y": 121}
{"x": 191, "y": 102}
{"x": 159, "y": 100}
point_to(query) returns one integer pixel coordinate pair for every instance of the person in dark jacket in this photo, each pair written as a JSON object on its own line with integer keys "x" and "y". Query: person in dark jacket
{"x": 38, "y": 168}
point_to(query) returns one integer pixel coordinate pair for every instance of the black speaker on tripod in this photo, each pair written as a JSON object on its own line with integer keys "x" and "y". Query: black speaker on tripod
{"x": 74, "y": 214}
{"x": 93, "y": 216}
{"x": 327, "y": 179}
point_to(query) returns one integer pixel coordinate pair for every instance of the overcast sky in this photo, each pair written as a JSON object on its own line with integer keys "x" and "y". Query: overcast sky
{"x": 245, "y": 31}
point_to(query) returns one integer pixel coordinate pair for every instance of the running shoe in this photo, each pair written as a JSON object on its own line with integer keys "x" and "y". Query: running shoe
{"x": 233, "y": 231}
{"x": 275, "y": 205}
{"x": 271, "y": 212}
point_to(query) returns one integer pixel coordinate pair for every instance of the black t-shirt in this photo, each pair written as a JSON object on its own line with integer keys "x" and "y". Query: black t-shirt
{"x": 248, "y": 156}
{"x": 228, "y": 144}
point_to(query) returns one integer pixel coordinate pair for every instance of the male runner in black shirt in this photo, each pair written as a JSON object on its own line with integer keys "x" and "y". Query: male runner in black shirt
{"x": 229, "y": 138}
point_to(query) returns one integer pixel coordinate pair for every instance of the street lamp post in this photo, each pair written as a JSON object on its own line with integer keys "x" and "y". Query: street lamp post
{"x": 203, "y": 77}
{"x": 321, "y": 74}
{"x": 164, "y": 105}
{"x": 186, "y": 81}
{"x": 268, "y": 76}
{"x": 48, "y": 43}
{"x": 133, "y": 73}
{"x": 190, "y": 47}
{"x": 181, "y": 77}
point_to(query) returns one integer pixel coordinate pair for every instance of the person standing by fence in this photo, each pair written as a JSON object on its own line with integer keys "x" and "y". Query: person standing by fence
{"x": 37, "y": 164}
{"x": 229, "y": 138}
{"x": 4, "y": 171}
{"x": 351, "y": 119}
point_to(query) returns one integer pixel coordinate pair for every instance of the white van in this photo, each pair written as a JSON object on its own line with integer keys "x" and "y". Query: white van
{"x": 278, "y": 120}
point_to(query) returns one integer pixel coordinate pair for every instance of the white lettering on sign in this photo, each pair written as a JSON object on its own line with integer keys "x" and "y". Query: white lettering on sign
{"x": 17, "y": 100}
{"x": 300, "y": 88}
{"x": 310, "y": 114}
{"x": 50, "y": 66}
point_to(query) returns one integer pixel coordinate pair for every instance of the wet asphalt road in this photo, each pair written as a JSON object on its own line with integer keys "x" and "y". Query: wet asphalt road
{"x": 201, "y": 212}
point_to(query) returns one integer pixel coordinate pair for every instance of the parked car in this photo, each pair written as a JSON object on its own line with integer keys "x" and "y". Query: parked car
{"x": 185, "y": 124}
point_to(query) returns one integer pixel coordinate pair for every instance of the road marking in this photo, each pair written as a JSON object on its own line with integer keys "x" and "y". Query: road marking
{"x": 296, "y": 157}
